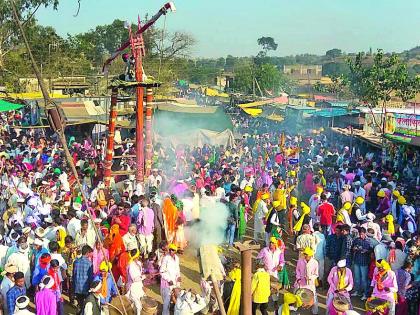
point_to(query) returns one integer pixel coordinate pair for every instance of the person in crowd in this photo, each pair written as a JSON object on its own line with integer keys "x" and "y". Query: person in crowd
{"x": 340, "y": 282}
{"x": 188, "y": 303}
{"x": 145, "y": 224}
{"x": 261, "y": 289}
{"x": 82, "y": 275}
{"x": 92, "y": 302}
{"x": 46, "y": 298}
{"x": 15, "y": 291}
{"x": 384, "y": 284}
{"x": 361, "y": 249}
{"x": 320, "y": 250}
{"x": 135, "y": 279}
{"x": 307, "y": 274}
{"x": 170, "y": 276}
{"x": 22, "y": 303}
{"x": 7, "y": 283}
{"x": 326, "y": 212}
{"x": 272, "y": 257}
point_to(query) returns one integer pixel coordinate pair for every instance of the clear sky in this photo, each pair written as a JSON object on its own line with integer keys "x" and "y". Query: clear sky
{"x": 224, "y": 27}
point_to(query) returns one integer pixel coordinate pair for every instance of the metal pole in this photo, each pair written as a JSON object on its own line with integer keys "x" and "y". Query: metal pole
{"x": 110, "y": 140}
{"x": 149, "y": 145}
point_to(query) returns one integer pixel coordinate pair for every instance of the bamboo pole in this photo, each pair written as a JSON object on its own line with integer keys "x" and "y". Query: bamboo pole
{"x": 218, "y": 295}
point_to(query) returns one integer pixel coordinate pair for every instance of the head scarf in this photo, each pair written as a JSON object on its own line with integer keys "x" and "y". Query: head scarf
{"x": 290, "y": 298}
{"x": 305, "y": 211}
{"x": 61, "y": 237}
{"x": 390, "y": 220}
{"x": 116, "y": 245}
{"x": 135, "y": 256}
{"x": 104, "y": 267}
{"x": 308, "y": 251}
{"x": 381, "y": 275}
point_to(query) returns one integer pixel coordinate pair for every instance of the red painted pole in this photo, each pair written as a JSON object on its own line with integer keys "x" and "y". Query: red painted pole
{"x": 110, "y": 140}
{"x": 139, "y": 119}
{"x": 149, "y": 145}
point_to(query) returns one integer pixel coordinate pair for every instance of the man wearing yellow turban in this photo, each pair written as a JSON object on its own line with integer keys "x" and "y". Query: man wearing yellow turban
{"x": 108, "y": 287}
{"x": 384, "y": 283}
{"x": 307, "y": 273}
{"x": 135, "y": 279}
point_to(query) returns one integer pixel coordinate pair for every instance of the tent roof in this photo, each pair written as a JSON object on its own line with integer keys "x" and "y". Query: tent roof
{"x": 6, "y": 106}
{"x": 334, "y": 112}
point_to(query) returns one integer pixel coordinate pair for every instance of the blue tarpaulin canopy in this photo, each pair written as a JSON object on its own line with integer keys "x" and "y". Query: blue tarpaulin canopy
{"x": 334, "y": 112}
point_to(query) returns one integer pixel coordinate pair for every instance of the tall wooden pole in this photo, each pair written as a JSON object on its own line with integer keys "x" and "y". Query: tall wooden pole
{"x": 137, "y": 48}
{"x": 149, "y": 145}
{"x": 110, "y": 140}
{"x": 246, "y": 275}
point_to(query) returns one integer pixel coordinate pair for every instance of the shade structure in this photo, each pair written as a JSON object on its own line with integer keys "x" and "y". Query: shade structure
{"x": 6, "y": 106}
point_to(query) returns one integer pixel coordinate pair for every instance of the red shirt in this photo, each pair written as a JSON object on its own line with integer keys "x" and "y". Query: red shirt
{"x": 326, "y": 212}
{"x": 125, "y": 222}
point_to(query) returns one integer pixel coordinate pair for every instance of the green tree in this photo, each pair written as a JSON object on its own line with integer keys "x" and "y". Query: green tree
{"x": 267, "y": 44}
{"x": 375, "y": 83}
{"x": 334, "y": 53}
{"x": 9, "y": 33}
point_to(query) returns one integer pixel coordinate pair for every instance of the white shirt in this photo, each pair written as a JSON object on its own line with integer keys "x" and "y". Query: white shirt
{"x": 188, "y": 208}
{"x": 135, "y": 275}
{"x": 169, "y": 269}
{"x": 73, "y": 227}
{"x": 87, "y": 239}
{"x": 88, "y": 310}
{"x": 24, "y": 312}
{"x": 130, "y": 239}
{"x": 187, "y": 306}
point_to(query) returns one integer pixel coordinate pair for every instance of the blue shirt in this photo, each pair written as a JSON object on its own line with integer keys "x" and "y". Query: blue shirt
{"x": 82, "y": 275}
{"x": 38, "y": 274}
{"x": 111, "y": 289}
{"x": 11, "y": 297}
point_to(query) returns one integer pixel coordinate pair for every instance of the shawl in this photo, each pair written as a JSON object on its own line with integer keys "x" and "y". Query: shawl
{"x": 305, "y": 211}
{"x": 242, "y": 222}
{"x": 341, "y": 279}
{"x": 171, "y": 214}
{"x": 290, "y": 298}
{"x": 235, "y": 298}
{"x": 61, "y": 237}
{"x": 115, "y": 242}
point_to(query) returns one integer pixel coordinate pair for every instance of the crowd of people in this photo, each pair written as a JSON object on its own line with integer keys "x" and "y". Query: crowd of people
{"x": 351, "y": 219}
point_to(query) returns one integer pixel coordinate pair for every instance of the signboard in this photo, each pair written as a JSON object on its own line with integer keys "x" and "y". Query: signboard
{"x": 403, "y": 127}
{"x": 402, "y": 124}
